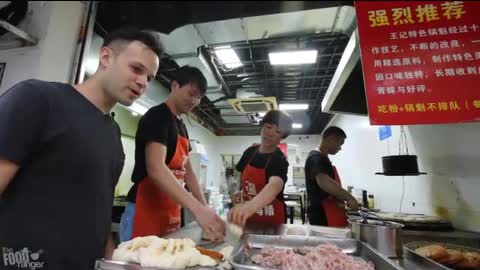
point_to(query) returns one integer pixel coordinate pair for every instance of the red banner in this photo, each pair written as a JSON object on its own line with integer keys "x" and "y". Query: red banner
{"x": 421, "y": 61}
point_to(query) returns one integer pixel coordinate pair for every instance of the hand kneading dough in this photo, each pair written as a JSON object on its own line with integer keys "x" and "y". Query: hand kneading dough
{"x": 234, "y": 231}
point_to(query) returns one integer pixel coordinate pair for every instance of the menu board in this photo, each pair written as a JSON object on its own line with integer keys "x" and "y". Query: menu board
{"x": 421, "y": 61}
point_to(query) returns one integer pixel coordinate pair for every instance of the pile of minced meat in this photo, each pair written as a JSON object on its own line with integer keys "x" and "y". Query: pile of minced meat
{"x": 322, "y": 257}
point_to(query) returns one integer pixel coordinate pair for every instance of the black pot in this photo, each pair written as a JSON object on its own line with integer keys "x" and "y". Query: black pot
{"x": 400, "y": 165}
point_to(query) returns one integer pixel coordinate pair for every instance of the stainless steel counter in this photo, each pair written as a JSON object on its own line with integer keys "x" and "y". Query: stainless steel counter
{"x": 194, "y": 232}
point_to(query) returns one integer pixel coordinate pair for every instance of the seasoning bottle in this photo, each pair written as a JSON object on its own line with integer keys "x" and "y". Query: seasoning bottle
{"x": 364, "y": 198}
{"x": 371, "y": 201}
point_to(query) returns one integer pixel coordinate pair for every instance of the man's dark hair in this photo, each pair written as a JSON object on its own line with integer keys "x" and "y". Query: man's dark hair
{"x": 121, "y": 37}
{"x": 334, "y": 131}
{"x": 279, "y": 118}
{"x": 188, "y": 74}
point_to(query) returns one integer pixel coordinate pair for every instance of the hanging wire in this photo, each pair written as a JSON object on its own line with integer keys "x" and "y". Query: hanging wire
{"x": 403, "y": 193}
{"x": 403, "y": 142}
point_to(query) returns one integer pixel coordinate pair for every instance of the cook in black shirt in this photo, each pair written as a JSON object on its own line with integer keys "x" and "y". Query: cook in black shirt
{"x": 324, "y": 189}
{"x": 162, "y": 167}
{"x": 263, "y": 175}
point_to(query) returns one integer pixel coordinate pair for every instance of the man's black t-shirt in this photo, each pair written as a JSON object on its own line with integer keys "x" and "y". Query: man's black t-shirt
{"x": 160, "y": 125}
{"x": 315, "y": 164}
{"x": 278, "y": 165}
{"x": 56, "y": 211}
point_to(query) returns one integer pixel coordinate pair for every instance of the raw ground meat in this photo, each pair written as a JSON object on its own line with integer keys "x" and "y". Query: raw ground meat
{"x": 321, "y": 257}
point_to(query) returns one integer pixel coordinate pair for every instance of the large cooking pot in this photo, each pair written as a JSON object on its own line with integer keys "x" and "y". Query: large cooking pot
{"x": 385, "y": 236}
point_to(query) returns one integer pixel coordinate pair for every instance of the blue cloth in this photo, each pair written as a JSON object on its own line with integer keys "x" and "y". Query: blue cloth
{"x": 126, "y": 222}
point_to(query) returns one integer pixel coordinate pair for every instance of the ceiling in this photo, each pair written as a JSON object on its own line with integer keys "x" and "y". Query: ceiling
{"x": 191, "y": 30}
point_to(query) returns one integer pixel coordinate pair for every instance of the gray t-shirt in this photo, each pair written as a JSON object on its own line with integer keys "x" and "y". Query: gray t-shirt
{"x": 57, "y": 209}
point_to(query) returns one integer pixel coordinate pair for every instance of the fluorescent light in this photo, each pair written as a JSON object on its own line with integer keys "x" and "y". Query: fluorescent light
{"x": 297, "y": 125}
{"x": 134, "y": 114}
{"x": 293, "y": 107}
{"x": 137, "y": 108}
{"x": 293, "y": 57}
{"x": 262, "y": 114}
{"x": 228, "y": 57}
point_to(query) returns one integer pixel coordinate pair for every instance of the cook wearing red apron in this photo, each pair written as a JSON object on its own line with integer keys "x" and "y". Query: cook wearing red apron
{"x": 156, "y": 213}
{"x": 253, "y": 180}
{"x": 335, "y": 215}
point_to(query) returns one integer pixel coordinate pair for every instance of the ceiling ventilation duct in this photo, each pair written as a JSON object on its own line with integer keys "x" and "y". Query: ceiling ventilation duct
{"x": 251, "y": 105}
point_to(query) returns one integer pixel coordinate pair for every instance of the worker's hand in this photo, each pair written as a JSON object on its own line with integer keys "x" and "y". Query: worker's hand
{"x": 210, "y": 222}
{"x": 240, "y": 213}
{"x": 353, "y": 204}
{"x": 237, "y": 198}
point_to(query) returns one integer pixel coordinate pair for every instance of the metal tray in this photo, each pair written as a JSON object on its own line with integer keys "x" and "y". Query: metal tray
{"x": 439, "y": 225}
{"x": 409, "y": 251}
{"x": 114, "y": 265}
{"x": 253, "y": 243}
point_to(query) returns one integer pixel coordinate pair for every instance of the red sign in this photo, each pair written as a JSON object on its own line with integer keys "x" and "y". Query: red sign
{"x": 421, "y": 61}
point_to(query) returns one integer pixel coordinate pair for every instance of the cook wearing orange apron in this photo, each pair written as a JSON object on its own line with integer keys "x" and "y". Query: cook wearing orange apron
{"x": 334, "y": 214}
{"x": 156, "y": 213}
{"x": 253, "y": 180}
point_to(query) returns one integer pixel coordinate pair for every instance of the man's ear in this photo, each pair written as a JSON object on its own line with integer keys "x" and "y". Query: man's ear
{"x": 105, "y": 57}
{"x": 175, "y": 85}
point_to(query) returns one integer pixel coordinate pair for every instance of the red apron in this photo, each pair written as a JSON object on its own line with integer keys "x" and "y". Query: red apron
{"x": 155, "y": 212}
{"x": 253, "y": 180}
{"x": 335, "y": 215}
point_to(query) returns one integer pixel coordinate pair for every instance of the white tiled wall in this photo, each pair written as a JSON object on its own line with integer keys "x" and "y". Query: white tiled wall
{"x": 450, "y": 154}
{"x": 56, "y": 24}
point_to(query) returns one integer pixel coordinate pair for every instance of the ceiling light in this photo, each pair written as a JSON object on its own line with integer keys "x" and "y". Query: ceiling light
{"x": 134, "y": 114}
{"x": 228, "y": 57}
{"x": 293, "y": 107}
{"x": 262, "y": 114}
{"x": 293, "y": 57}
{"x": 297, "y": 125}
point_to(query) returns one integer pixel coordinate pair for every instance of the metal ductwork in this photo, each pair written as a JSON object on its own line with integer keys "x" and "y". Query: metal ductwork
{"x": 327, "y": 25}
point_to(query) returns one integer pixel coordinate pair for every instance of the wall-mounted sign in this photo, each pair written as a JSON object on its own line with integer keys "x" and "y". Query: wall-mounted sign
{"x": 421, "y": 60}
{"x": 384, "y": 132}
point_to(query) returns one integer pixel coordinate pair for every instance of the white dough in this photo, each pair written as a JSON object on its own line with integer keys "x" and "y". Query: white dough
{"x": 152, "y": 251}
{"x": 226, "y": 252}
{"x": 234, "y": 231}
{"x": 207, "y": 261}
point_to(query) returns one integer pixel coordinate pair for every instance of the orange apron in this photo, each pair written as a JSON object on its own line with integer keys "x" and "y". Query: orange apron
{"x": 335, "y": 215}
{"x": 155, "y": 212}
{"x": 253, "y": 180}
